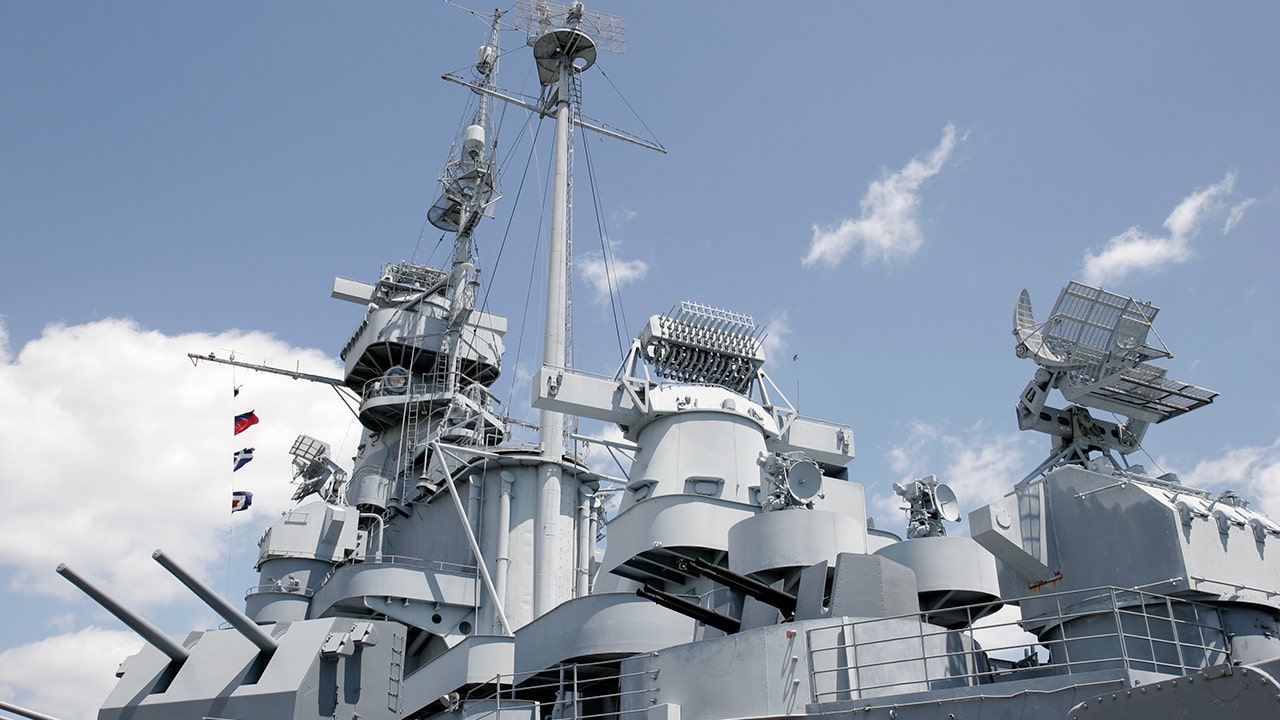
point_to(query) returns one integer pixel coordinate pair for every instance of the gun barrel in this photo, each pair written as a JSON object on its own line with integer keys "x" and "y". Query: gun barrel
{"x": 24, "y": 712}
{"x": 690, "y": 609}
{"x": 784, "y": 601}
{"x": 149, "y": 632}
{"x": 241, "y": 622}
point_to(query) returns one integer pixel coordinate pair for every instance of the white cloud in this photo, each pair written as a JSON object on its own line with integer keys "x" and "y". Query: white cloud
{"x": 113, "y": 445}
{"x": 1001, "y": 636}
{"x": 603, "y": 459}
{"x": 66, "y": 676}
{"x": 775, "y": 342}
{"x": 1254, "y": 472}
{"x": 1135, "y": 249}
{"x": 609, "y": 274}
{"x": 1237, "y": 212}
{"x": 887, "y": 229}
{"x": 4, "y": 342}
{"x": 979, "y": 467}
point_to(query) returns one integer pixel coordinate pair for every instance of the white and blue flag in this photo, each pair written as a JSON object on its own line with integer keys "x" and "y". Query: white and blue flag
{"x": 242, "y": 458}
{"x": 241, "y": 500}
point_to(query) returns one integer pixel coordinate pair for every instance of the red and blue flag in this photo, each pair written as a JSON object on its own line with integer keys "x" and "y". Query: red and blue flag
{"x": 245, "y": 421}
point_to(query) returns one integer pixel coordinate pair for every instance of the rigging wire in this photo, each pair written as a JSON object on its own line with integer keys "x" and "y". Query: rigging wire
{"x": 506, "y": 233}
{"x": 530, "y": 160}
{"x": 612, "y": 284}
{"x": 231, "y": 491}
{"x": 421, "y": 231}
{"x": 623, "y": 98}
{"x": 434, "y": 249}
{"x": 653, "y": 258}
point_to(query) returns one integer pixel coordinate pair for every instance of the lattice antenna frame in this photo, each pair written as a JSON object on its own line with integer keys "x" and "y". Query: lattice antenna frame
{"x": 1095, "y": 350}
{"x": 536, "y": 17}
{"x": 696, "y": 343}
{"x": 314, "y": 471}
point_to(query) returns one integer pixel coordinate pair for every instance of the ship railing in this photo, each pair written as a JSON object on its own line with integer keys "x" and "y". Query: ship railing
{"x": 276, "y": 587}
{"x": 380, "y": 387}
{"x": 576, "y": 691}
{"x": 408, "y": 276}
{"x": 435, "y": 387}
{"x": 407, "y": 561}
{"x": 1096, "y": 629}
{"x": 418, "y": 563}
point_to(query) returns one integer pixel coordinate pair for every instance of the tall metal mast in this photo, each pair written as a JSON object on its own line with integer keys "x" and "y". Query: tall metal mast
{"x": 562, "y": 47}
{"x": 559, "y": 53}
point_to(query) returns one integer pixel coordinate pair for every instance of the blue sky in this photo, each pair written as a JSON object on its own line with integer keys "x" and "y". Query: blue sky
{"x": 875, "y": 181}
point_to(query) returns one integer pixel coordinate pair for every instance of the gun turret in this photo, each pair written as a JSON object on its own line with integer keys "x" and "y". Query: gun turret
{"x": 241, "y": 622}
{"x": 149, "y": 632}
{"x": 784, "y": 601}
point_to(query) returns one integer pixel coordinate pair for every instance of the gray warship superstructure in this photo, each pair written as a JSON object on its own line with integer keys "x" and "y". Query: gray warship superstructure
{"x": 456, "y": 573}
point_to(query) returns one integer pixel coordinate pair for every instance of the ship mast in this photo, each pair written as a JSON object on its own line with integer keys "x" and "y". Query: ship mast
{"x": 468, "y": 181}
{"x": 562, "y": 48}
{"x": 559, "y": 53}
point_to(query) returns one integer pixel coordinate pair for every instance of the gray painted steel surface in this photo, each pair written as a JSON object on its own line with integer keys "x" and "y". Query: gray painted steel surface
{"x": 457, "y": 574}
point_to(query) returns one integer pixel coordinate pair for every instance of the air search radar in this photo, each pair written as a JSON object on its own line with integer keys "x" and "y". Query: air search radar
{"x": 314, "y": 471}
{"x": 931, "y": 503}
{"x": 1096, "y": 349}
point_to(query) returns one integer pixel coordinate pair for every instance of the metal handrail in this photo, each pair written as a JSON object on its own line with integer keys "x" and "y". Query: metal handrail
{"x": 568, "y": 688}
{"x": 300, "y": 591}
{"x": 397, "y": 560}
{"x": 435, "y": 388}
{"x": 1157, "y": 640}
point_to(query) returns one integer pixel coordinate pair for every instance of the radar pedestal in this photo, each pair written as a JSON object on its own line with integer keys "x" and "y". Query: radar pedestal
{"x": 956, "y": 577}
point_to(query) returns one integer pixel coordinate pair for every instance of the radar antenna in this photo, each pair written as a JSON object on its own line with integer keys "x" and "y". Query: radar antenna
{"x": 536, "y": 17}
{"x": 314, "y": 471}
{"x": 794, "y": 480}
{"x": 931, "y": 502}
{"x": 1095, "y": 349}
{"x": 697, "y": 343}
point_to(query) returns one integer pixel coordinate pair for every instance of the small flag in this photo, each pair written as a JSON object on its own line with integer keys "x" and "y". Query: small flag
{"x": 235, "y": 391}
{"x": 242, "y": 458}
{"x": 241, "y": 500}
{"x": 245, "y": 421}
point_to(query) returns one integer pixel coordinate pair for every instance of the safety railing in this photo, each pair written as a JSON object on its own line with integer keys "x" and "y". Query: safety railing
{"x": 408, "y": 561}
{"x": 432, "y": 387}
{"x": 577, "y": 691}
{"x": 1081, "y": 631}
{"x": 279, "y": 587}
{"x": 421, "y": 564}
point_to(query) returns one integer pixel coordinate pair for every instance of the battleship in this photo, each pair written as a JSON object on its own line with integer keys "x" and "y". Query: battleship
{"x": 458, "y": 573}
